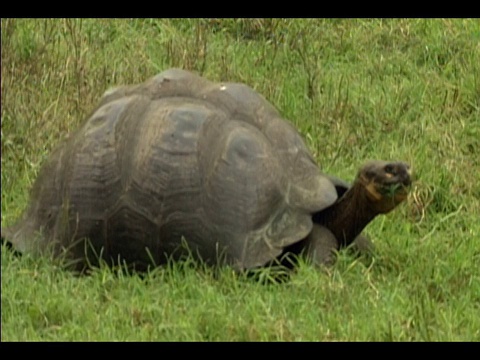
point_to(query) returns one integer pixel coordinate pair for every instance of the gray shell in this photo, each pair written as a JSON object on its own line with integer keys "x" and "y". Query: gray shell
{"x": 178, "y": 157}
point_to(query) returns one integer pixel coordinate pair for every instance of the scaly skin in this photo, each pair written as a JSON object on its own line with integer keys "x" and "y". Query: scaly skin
{"x": 379, "y": 187}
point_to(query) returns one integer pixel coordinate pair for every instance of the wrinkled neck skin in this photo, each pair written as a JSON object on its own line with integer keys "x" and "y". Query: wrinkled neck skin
{"x": 348, "y": 216}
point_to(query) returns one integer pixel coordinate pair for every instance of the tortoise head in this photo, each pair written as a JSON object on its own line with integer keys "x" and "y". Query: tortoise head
{"x": 386, "y": 184}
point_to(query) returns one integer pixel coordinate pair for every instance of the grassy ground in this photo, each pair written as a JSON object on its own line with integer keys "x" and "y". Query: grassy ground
{"x": 356, "y": 89}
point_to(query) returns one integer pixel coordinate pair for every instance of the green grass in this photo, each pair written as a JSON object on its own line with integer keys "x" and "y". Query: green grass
{"x": 356, "y": 90}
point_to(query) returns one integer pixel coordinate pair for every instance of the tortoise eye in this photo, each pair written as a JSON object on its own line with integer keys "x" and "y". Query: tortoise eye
{"x": 389, "y": 169}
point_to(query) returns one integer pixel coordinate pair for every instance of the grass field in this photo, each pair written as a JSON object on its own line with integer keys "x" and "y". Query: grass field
{"x": 404, "y": 89}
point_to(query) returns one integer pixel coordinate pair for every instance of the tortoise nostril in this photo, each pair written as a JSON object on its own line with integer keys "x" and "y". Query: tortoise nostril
{"x": 405, "y": 166}
{"x": 406, "y": 176}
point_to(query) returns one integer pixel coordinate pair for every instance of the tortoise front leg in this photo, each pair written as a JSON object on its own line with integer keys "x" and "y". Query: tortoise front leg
{"x": 362, "y": 245}
{"x": 320, "y": 246}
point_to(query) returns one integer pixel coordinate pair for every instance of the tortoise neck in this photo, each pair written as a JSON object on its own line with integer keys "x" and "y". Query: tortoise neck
{"x": 348, "y": 216}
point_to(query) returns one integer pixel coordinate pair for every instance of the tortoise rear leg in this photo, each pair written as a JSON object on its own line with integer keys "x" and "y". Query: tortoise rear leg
{"x": 9, "y": 246}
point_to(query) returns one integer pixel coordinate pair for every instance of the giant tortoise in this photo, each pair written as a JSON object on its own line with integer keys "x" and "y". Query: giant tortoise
{"x": 181, "y": 165}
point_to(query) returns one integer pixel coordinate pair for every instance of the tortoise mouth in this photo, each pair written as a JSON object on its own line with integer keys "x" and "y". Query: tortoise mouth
{"x": 395, "y": 185}
{"x": 379, "y": 191}
{"x": 398, "y": 190}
